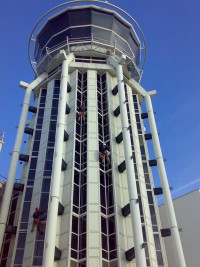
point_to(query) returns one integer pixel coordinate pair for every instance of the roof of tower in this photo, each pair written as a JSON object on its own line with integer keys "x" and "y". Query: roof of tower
{"x": 87, "y": 31}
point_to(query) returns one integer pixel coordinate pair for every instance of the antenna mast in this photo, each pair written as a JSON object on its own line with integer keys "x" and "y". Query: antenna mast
{"x": 1, "y": 139}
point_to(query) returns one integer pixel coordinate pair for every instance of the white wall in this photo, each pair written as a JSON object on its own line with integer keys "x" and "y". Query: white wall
{"x": 187, "y": 211}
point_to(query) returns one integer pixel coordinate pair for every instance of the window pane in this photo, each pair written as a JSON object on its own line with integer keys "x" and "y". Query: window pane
{"x": 25, "y": 212}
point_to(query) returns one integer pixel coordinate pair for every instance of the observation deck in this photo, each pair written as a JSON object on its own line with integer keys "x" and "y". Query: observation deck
{"x": 87, "y": 31}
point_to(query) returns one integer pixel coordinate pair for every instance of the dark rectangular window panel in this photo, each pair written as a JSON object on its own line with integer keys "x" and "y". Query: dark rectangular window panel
{"x": 82, "y": 255}
{"x": 44, "y": 201}
{"x": 75, "y": 224}
{"x": 104, "y": 242}
{"x": 42, "y": 100}
{"x": 159, "y": 258}
{"x": 74, "y": 254}
{"x": 74, "y": 242}
{"x": 47, "y": 173}
{"x": 113, "y": 255}
{"x": 37, "y": 135}
{"x": 102, "y": 194}
{"x": 28, "y": 194}
{"x": 19, "y": 256}
{"x": 82, "y": 224}
{"x": 37, "y": 261}
{"x": 39, "y": 246}
{"x": 52, "y": 136}
{"x": 150, "y": 197}
{"x": 36, "y": 146}
{"x": 49, "y": 154}
{"x": 43, "y": 92}
{"x": 21, "y": 240}
{"x": 39, "y": 121}
{"x": 13, "y": 205}
{"x": 144, "y": 234}
{"x": 26, "y": 210}
{"x": 112, "y": 242}
{"x": 153, "y": 215}
{"x": 76, "y": 195}
{"x": 46, "y": 185}
{"x": 57, "y": 84}
{"x": 3, "y": 263}
{"x": 48, "y": 165}
{"x": 52, "y": 126}
{"x": 103, "y": 225}
{"x": 111, "y": 225}
{"x": 147, "y": 180}
{"x": 55, "y": 103}
{"x": 31, "y": 175}
{"x": 33, "y": 163}
{"x": 54, "y": 111}
{"x": 6, "y": 246}
{"x": 41, "y": 112}
{"x": 82, "y": 241}
{"x": 23, "y": 226}
{"x": 11, "y": 219}
{"x": 145, "y": 168}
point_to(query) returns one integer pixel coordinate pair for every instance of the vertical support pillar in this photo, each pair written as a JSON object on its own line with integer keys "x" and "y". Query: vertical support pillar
{"x": 165, "y": 185}
{"x": 13, "y": 165}
{"x": 133, "y": 196}
{"x": 50, "y": 239}
{"x": 93, "y": 182}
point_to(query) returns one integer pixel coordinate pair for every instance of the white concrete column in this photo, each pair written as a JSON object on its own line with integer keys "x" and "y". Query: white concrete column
{"x": 13, "y": 165}
{"x": 49, "y": 250}
{"x": 165, "y": 184}
{"x": 93, "y": 184}
{"x": 15, "y": 155}
{"x": 133, "y": 196}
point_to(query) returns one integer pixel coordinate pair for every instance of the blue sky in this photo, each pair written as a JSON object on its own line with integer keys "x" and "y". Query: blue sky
{"x": 171, "y": 29}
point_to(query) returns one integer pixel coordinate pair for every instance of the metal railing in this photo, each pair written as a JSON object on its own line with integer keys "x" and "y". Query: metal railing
{"x": 72, "y": 44}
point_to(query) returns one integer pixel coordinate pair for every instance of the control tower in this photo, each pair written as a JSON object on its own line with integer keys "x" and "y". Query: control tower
{"x": 86, "y": 173}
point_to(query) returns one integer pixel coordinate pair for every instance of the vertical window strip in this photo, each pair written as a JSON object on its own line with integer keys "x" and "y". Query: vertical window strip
{"x": 136, "y": 172}
{"x": 148, "y": 183}
{"x": 44, "y": 198}
{"x": 30, "y": 183}
{"x": 108, "y": 234}
{"x": 7, "y": 237}
{"x": 79, "y": 223}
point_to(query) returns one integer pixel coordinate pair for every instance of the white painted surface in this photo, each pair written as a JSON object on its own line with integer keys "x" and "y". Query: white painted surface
{"x": 187, "y": 211}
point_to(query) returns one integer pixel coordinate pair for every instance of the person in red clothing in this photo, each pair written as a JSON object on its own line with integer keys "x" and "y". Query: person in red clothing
{"x": 104, "y": 152}
{"x": 81, "y": 113}
{"x": 37, "y": 220}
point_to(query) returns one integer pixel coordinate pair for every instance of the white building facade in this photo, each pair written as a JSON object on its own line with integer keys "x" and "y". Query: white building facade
{"x": 188, "y": 218}
{"x": 100, "y": 211}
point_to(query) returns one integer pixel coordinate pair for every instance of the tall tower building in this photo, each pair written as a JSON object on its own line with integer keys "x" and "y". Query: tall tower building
{"x": 86, "y": 172}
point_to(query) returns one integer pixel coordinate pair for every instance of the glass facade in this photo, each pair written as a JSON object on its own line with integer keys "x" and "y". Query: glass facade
{"x": 7, "y": 237}
{"x": 79, "y": 223}
{"x": 108, "y": 233}
{"x": 107, "y": 208}
{"x": 30, "y": 183}
{"x": 146, "y": 169}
